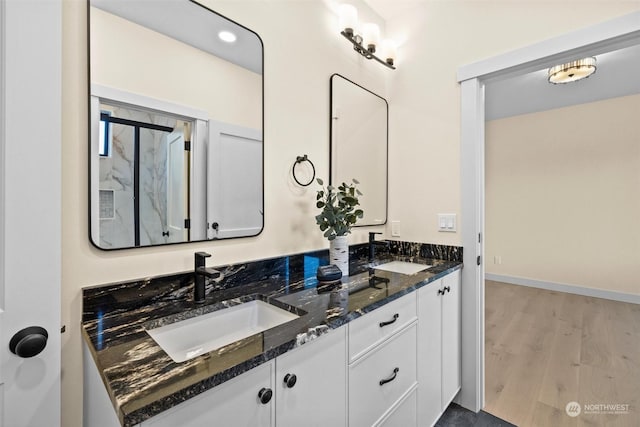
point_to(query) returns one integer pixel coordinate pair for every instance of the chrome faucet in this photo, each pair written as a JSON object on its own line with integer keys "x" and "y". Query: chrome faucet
{"x": 372, "y": 245}
{"x": 201, "y": 273}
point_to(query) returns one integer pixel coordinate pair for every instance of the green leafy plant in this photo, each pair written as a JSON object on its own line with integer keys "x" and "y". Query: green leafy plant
{"x": 338, "y": 206}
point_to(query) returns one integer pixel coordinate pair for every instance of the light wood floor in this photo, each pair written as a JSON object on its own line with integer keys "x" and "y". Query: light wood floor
{"x": 544, "y": 349}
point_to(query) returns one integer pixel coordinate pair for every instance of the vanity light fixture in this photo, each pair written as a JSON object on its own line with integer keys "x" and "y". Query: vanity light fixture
{"x": 227, "y": 36}
{"x": 366, "y": 41}
{"x": 572, "y": 71}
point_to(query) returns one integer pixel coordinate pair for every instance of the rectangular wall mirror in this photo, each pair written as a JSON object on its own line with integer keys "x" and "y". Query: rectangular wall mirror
{"x": 176, "y": 119}
{"x": 359, "y": 145}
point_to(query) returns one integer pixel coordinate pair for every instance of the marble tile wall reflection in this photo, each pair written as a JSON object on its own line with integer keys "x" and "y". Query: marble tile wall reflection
{"x": 117, "y": 174}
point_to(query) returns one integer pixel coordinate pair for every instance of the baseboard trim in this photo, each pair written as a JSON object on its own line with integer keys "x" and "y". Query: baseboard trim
{"x": 562, "y": 287}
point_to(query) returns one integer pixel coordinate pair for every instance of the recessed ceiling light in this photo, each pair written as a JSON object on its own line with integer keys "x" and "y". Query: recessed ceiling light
{"x": 572, "y": 71}
{"x": 227, "y": 36}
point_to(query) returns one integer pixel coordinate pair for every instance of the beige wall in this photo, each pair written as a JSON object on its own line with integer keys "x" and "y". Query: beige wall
{"x": 562, "y": 195}
{"x": 302, "y": 49}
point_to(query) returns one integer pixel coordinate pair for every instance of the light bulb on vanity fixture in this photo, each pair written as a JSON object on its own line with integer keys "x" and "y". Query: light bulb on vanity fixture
{"x": 389, "y": 51}
{"x": 348, "y": 19}
{"x": 370, "y": 36}
{"x": 368, "y": 42}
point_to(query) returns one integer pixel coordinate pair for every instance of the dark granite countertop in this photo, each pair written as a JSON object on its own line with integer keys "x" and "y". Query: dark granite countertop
{"x": 142, "y": 380}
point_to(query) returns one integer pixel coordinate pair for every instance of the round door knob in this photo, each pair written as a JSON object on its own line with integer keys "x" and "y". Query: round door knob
{"x": 265, "y": 395}
{"x": 290, "y": 380}
{"x": 29, "y": 341}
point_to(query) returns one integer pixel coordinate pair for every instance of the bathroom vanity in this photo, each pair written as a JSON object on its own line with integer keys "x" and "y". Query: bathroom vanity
{"x": 382, "y": 348}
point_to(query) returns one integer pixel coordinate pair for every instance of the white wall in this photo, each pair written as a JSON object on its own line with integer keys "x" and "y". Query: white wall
{"x": 302, "y": 50}
{"x": 562, "y": 190}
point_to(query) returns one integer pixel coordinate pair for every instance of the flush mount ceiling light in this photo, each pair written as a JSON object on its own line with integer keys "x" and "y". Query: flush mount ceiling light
{"x": 366, "y": 42}
{"x": 227, "y": 36}
{"x": 572, "y": 71}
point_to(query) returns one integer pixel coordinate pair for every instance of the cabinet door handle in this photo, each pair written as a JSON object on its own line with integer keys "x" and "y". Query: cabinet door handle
{"x": 391, "y": 378}
{"x": 388, "y": 322}
{"x": 265, "y": 395}
{"x": 447, "y": 288}
{"x": 290, "y": 380}
{"x": 440, "y": 291}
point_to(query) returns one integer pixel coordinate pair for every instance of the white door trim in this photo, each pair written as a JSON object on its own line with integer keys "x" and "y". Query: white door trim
{"x": 609, "y": 35}
{"x": 133, "y": 100}
{"x": 471, "y": 395}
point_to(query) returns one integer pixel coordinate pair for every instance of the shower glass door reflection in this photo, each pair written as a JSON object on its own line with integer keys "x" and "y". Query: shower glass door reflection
{"x": 143, "y": 199}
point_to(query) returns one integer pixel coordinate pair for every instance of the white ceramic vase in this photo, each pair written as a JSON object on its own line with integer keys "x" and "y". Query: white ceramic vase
{"x": 339, "y": 254}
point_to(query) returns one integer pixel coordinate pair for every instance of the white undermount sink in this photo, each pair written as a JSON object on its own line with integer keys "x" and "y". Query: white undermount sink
{"x": 198, "y": 335}
{"x": 402, "y": 267}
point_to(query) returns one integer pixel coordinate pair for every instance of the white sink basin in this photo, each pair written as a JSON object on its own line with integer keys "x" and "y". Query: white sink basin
{"x": 402, "y": 267}
{"x": 192, "y": 337}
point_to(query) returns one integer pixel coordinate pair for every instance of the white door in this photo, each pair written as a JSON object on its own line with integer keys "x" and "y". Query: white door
{"x": 234, "y": 181}
{"x": 30, "y": 205}
{"x": 177, "y": 178}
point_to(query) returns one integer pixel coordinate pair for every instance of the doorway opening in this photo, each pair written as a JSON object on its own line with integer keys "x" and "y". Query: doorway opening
{"x": 614, "y": 34}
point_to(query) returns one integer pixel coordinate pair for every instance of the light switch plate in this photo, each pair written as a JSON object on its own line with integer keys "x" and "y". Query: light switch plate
{"x": 447, "y": 223}
{"x": 395, "y": 228}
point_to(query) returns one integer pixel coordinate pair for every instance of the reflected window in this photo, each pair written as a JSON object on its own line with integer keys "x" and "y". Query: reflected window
{"x": 104, "y": 147}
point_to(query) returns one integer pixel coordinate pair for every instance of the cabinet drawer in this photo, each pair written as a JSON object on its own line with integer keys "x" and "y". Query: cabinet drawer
{"x": 369, "y": 330}
{"x": 368, "y": 399}
{"x": 404, "y": 415}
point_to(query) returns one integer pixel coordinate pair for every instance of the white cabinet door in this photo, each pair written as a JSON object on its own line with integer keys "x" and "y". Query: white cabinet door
{"x": 318, "y": 397}
{"x": 429, "y": 353}
{"x": 233, "y": 403}
{"x": 450, "y": 337}
{"x": 438, "y": 347}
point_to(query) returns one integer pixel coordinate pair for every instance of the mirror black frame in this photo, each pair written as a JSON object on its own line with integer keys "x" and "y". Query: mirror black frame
{"x": 89, "y": 136}
{"x": 331, "y": 142}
